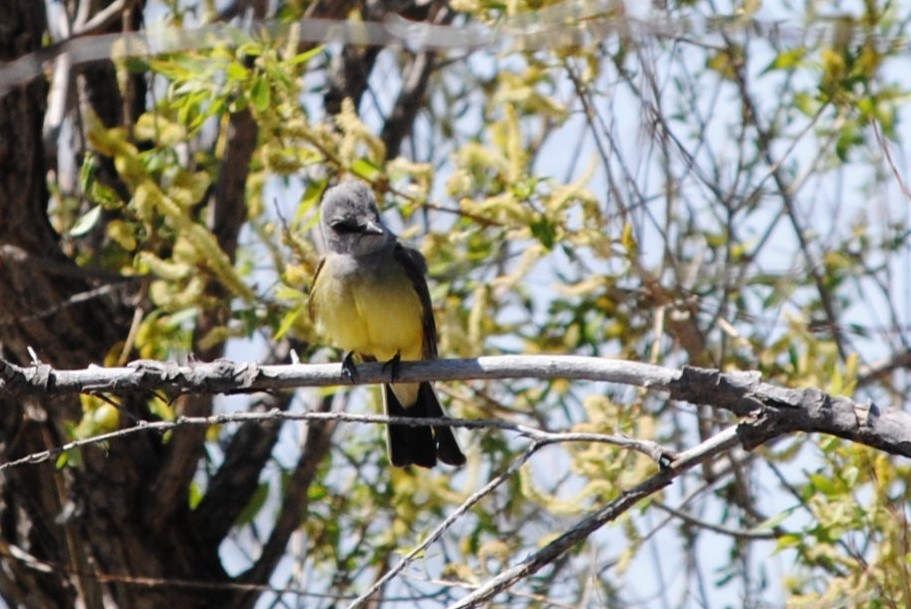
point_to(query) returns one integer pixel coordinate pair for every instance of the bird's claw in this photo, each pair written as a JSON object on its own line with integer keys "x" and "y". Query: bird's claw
{"x": 349, "y": 370}
{"x": 393, "y": 366}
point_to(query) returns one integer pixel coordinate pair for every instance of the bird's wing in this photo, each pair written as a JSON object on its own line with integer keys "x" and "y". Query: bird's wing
{"x": 311, "y": 301}
{"x": 415, "y": 266}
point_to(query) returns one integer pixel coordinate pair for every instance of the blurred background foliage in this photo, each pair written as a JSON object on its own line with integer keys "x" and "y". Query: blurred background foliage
{"x": 733, "y": 196}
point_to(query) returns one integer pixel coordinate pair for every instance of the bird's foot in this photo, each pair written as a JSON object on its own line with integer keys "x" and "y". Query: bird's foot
{"x": 349, "y": 370}
{"x": 393, "y": 366}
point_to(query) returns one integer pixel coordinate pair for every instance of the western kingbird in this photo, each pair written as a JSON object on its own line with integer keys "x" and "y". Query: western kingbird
{"x": 369, "y": 296}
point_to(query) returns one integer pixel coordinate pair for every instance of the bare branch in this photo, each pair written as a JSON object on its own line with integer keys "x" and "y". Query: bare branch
{"x": 647, "y": 447}
{"x": 786, "y": 191}
{"x": 714, "y": 446}
{"x": 294, "y": 505}
{"x": 545, "y": 28}
{"x": 878, "y": 370}
{"x": 238, "y": 475}
{"x": 766, "y": 534}
{"x": 742, "y": 393}
{"x": 887, "y": 154}
{"x": 226, "y": 376}
{"x": 488, "y": 488}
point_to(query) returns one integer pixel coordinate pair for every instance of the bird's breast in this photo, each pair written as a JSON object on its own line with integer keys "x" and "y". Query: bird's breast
{"x": 370, "y": 309}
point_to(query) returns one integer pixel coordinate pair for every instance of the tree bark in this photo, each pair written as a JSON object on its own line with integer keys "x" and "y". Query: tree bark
{"x": 34, "y": 314}
{"x": 67, "y": 531}
{"x": 114, "y": 527}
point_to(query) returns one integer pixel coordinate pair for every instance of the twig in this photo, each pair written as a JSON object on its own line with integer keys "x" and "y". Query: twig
{"x": 891, "y": 163}
{"x": 441, "y": 528}
{"x": 717, "y": 528}
{"x": 578, "y": 533}
{"x": 646, "y": 447}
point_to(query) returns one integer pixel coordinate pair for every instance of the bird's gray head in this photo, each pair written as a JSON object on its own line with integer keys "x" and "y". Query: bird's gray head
{"x": 350, "y": 221}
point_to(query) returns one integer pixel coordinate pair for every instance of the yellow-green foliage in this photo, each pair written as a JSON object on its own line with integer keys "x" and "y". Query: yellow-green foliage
{"x": 670, "y": 199}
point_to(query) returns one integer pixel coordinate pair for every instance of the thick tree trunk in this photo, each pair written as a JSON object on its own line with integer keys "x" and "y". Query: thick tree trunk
{"x": 31, "y": 541}
{"x": 76, "y": 535}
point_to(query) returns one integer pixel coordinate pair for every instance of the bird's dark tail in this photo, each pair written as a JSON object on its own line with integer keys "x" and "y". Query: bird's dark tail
{"x": 417, "y": 445}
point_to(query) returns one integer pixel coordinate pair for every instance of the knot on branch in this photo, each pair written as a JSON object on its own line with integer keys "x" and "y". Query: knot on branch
{"x": 220, "y": 376}
{"x": 730, "y": 390}
{"x": 227, "y": 376}
{"x": 813, "y": 410}
{"x": 150, "y": 374}
{"x": 760, "y": 427}
{"x": 15, "y": 380}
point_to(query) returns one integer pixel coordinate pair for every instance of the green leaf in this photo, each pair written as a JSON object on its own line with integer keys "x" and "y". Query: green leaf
{"x": 791, "y": 540}
{"x": 770, "y": 523}
{"x": 70, "y": 458}
{"x": 104, "y": 195}
{"x": 850, "y": 476}
{"x": 88, "y": 221}
{"x": 87, "y": 172}
{"x": 136, "y": 65}
{"x": 726, "y": 62}
{"x": 260, "y": 94}
{"x": 364, "y": 168}
{"x": 787, "y": 60}
{"x": 288, "y": 321}
{"x": 306, "y": 55}
{"x": 237, "y": 72}
{"x": 544, "y": 231}
{"x": 310, "y": 199}
{"x": 195, "y": 495}
{"x": 823, "y": 484}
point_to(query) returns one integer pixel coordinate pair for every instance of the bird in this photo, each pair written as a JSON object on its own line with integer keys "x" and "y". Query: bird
{"x": 369, "y": 297}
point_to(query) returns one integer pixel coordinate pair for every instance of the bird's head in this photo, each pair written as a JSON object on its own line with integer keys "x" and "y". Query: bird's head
{"x": 350, "y": 221}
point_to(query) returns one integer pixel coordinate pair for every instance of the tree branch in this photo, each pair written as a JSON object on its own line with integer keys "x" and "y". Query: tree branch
{"x": 488, "y": 488}
{"x": 716, "y": 445}
{"x": 651, "y": 449}
{"x": 294, "y": 507}
{"x": 415, "y": 77}
{"x": 742, "y": 393}
{"x": 226, "y": 376}
{"x": 230, "y": 488}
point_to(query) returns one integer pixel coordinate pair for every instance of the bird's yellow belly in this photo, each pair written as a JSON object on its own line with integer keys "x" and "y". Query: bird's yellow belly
{"x": 379, "y": 318}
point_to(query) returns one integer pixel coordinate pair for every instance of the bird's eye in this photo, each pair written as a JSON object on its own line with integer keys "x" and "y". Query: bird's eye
{"x": 345, "y": 226}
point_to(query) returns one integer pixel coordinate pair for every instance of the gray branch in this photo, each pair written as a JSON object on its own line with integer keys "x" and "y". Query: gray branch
{"x": 742, "y": 393}
{"x": 655, "y": 451}
{"x": 227, "y": 376}
{"x": 764, "y": 412}
{"x": 724, "y": 440}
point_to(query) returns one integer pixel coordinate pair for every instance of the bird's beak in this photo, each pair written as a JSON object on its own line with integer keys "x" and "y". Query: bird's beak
{"x": 372, "y": 228}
